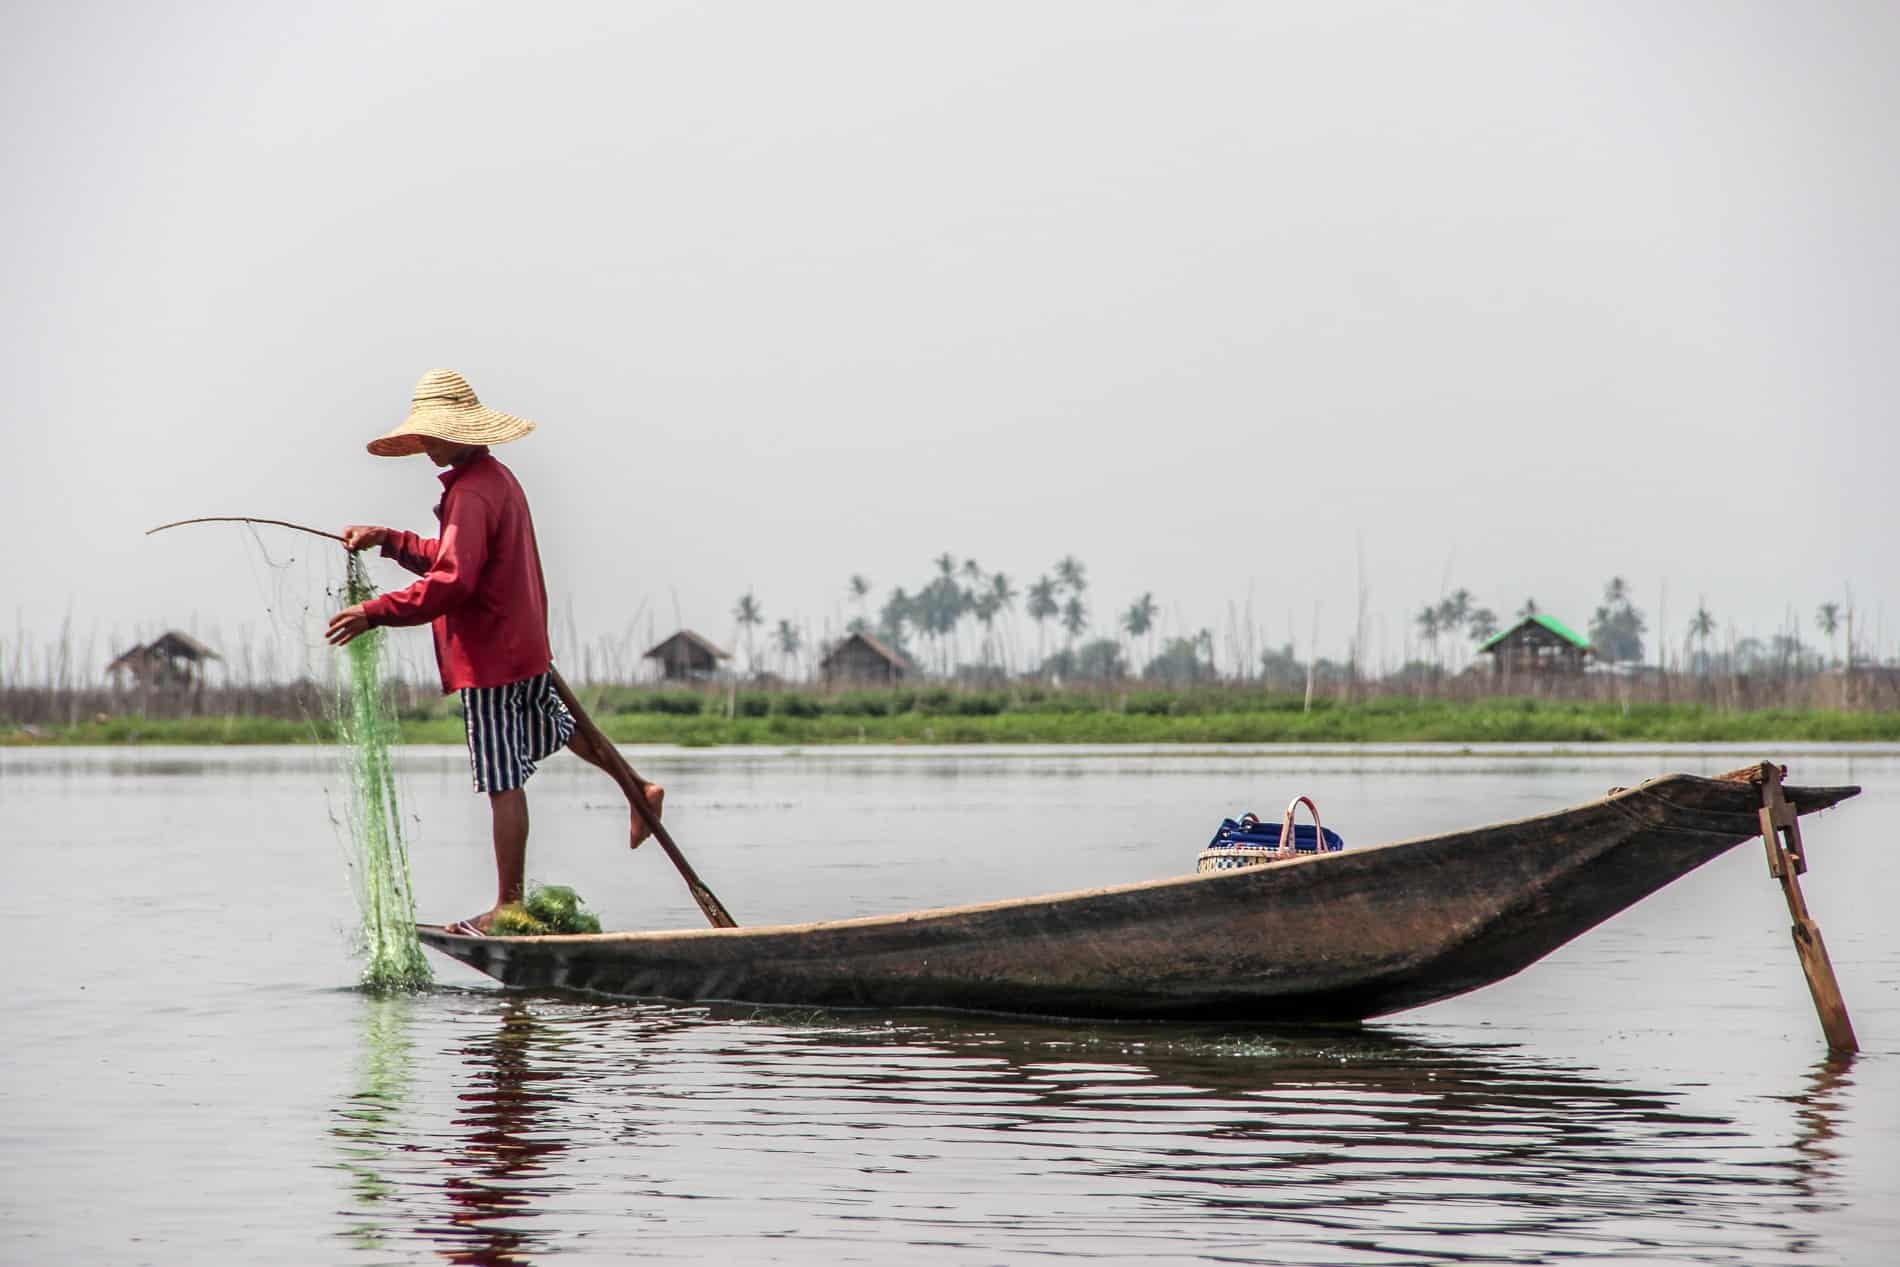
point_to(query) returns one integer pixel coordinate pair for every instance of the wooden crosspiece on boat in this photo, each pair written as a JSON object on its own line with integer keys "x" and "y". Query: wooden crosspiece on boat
{"x": 1787, "y": 862}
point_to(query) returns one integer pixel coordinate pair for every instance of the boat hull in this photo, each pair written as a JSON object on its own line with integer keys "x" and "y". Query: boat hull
{"x": 1336, "y": 937}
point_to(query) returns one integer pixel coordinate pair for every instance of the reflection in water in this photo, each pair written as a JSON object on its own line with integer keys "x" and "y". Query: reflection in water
{"x": 366, "y": 1126}
{"x": 681, "y": 1132}
{"x": 1817, "y": 1110}
{"x": 504, "y": 1144}
{"x": 494, "y": 1147}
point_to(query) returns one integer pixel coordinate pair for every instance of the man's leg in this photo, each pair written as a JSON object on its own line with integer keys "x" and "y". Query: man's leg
{"x": 583, "y": 747}
{"x": 510, "y": 810}
{"x": 511, "y": 843}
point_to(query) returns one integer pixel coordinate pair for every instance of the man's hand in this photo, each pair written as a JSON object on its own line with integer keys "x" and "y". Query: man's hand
{"x": 348, "y": 624}
{"x": 364, "y": 537}
{"x": 656, "y": 798}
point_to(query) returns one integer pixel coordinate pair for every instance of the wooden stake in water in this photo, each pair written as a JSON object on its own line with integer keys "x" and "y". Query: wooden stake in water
{"x": 394, "y": 959}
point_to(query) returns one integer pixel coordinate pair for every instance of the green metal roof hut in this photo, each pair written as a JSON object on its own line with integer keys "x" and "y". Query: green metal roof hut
{"x": 1537, "y": 644}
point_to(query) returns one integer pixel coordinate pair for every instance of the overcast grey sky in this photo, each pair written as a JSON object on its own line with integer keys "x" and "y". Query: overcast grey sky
{"x": 1519, "y": 295}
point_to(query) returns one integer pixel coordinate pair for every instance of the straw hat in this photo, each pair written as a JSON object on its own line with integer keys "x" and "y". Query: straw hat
{"x": 446, "y": 407}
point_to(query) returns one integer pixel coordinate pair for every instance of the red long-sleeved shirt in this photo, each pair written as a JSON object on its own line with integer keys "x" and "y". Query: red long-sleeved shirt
{"x": 481, "y": 589}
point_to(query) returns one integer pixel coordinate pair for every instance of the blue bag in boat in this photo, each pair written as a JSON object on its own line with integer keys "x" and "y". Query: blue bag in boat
{"x": 1248, "y": 842}
{"x": 1248, "y": 832}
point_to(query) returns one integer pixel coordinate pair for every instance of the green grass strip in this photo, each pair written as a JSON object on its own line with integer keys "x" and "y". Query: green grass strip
{"x": 1029, "y": 717}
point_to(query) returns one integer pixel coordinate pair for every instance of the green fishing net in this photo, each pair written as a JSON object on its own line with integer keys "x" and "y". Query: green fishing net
{"x": 367, "y": 727}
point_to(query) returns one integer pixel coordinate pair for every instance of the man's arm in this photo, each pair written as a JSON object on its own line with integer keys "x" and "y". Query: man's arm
{"x": 456, "y": 567}
{"x": 414, "y": 553}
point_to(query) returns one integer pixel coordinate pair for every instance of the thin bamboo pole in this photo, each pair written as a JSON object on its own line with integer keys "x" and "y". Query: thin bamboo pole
{"x": 243, "y": 519}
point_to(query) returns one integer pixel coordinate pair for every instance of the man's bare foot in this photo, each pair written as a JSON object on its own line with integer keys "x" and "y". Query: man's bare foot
{"x": 480, "y": 923}
{"x": 656, "y": 799}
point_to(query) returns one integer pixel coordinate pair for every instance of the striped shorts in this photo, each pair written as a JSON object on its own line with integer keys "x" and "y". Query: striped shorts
{"x": 511, "y": 727}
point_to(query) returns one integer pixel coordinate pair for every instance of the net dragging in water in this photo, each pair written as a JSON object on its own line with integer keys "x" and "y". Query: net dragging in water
{"x": 367, "y": 726}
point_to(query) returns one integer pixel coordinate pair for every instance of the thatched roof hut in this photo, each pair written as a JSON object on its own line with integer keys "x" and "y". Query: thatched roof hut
{"x": 172, "y": 659}
{"x": 686, "y": 656}
{"x": 862, "y": 658}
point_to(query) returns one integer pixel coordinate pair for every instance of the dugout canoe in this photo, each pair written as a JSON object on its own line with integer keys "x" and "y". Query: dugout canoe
{"x": 1334, "y": 937}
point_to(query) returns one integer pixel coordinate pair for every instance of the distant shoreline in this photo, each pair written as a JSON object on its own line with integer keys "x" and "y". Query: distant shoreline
{"x": 1374, "y": 721}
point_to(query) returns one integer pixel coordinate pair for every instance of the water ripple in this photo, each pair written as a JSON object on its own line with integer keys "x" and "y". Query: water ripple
{"x": 601, "y": 1131}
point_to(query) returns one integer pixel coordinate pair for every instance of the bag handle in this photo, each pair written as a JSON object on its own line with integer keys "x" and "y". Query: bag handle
{"x": 1286, "y": 825}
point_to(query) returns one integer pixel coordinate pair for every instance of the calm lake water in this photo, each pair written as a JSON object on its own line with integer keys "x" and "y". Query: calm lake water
{"x": 191, "y": 1077}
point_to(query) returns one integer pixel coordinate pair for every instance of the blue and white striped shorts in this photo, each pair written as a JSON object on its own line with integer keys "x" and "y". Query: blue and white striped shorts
{"x": 511, "y": 727}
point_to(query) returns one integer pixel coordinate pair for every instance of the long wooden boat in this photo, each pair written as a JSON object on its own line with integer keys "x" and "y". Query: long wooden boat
{"x": 1333, "y": 937}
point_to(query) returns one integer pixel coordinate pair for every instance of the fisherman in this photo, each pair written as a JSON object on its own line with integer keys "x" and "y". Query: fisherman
{"x": 484, "y": 597}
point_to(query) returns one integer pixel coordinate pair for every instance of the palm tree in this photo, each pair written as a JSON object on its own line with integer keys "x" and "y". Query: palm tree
{"x": 750, "y": 616}
{"x": 1528, "y": 609}
{"x": 1428, "y": 626}
{"x": 985, "y": 606}
{"x": 1075, "y": 618}
{"x": 1005, "y": 596}
{"x": 936, "y": 615}
{"x": 973, "y": 579}
{"x": 1071, "y": 575}
{"x": 1042, "y": 606}
{"x": 1616, "y": 628}
{"x": 789, "y": 645}
{"x": 898, "y": 611}
{"x": 937, "y": 609}
{"x": 1701, "y": 625}
{"x": 1481, "y": 624}
{"x": 1139, "y": 619}
{"x": 1453, "y": 612}
{"x": 1827, "y": 618}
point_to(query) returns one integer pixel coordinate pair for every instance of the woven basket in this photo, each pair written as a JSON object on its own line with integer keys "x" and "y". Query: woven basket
{"x": 1234, "y": 857}
{"x": 1231, "y": 857}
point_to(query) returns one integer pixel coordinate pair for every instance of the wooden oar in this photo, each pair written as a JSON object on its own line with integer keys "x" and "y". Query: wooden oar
{"x": 635, "y": 788}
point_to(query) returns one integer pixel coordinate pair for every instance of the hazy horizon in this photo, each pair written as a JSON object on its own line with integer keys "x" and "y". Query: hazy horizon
{"x": 1513, "y": 298}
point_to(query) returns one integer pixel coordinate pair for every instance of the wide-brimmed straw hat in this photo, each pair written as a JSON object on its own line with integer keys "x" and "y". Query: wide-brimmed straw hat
{"x": 446, "y": 407}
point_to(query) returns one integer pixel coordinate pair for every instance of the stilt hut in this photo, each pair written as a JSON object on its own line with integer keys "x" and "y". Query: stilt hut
{"x": 1537, "y": 645}
{"x": 173, "y": 660}
{"x": 862, "y": 658}
{"x": 687, "y": 657}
